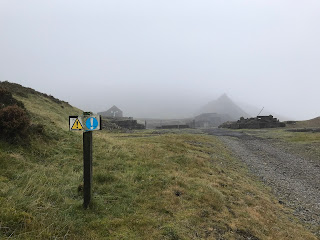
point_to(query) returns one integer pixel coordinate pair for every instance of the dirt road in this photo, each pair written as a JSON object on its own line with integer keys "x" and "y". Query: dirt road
{"x": 295, "y": 180}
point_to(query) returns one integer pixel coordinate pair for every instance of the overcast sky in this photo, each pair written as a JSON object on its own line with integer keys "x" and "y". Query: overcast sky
{"x": 165, "y": 58}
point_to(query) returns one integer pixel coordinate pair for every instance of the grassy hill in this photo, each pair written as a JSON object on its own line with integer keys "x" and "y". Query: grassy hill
{"x": 146, "y": 185}
{"x": 312, "y": 123}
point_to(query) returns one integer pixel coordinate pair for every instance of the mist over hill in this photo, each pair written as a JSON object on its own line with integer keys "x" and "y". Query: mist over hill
{"x": 224, "y": 105}
{"x": 179, "y": 108}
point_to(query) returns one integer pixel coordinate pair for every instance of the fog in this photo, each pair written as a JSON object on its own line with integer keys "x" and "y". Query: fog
{"x": 165, "y": 58}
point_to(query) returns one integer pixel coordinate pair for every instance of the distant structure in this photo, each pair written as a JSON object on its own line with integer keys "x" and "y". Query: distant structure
{"x": 183, "y": 126}
{"x": 206, "y": 120}
{"x": 113, "y": 112}
{"x": 113, "y": 119}
{"x": 254, "y": 123}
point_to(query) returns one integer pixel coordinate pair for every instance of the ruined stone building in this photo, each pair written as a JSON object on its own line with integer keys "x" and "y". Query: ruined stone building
{"x": 113, "y": 119}
{"x": 114, "y": 112}
{"x": 254, "y": 123}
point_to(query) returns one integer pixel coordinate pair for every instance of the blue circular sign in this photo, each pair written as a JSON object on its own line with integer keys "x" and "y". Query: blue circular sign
{"x": 92, "y": 123}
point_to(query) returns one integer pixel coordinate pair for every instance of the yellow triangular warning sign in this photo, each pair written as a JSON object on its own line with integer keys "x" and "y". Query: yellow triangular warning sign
{"x": 77, "y": 125}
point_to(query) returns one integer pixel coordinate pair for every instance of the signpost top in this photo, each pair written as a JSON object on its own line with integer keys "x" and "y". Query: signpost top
{"x": 86, "y": 122}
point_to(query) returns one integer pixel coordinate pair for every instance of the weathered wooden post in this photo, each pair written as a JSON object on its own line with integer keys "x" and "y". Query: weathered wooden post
{"x": 87, "y": 168}
{"x": 87, "y": 122}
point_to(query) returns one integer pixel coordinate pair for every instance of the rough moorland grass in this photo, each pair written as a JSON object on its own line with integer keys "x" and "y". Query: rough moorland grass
{"x": 145, "y": 186}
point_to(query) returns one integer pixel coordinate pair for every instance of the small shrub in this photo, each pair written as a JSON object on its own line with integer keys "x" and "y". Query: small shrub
{"x": 14, "y": 122}
{"x": 6, "y": 99}
{"x": 37, "y": 129}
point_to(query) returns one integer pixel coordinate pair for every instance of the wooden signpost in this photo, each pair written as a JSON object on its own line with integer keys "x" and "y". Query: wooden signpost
{"x": 88, "y": 123}
{"x": 87, "y": 168}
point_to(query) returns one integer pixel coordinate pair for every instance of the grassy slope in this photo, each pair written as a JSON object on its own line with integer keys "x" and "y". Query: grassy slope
{"x": 312, "y": 123}
{"x": 146, "y": 186}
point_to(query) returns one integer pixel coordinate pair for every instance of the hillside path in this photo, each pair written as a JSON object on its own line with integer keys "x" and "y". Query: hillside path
{"x": 293, "y": 179}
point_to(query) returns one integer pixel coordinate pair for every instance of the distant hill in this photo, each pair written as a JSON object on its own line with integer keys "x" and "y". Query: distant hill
{"x": 312, "y": 123}
{"x": 224, "y": 105}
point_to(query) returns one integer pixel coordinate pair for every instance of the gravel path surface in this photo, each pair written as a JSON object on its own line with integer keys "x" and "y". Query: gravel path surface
{"x": 295, "y": 180}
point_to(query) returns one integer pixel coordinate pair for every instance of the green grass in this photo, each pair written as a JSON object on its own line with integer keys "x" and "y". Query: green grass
{"x": 146, "y": 185}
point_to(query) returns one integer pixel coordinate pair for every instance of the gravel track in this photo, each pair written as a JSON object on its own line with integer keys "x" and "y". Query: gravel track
{"x": 293, "y": 179}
